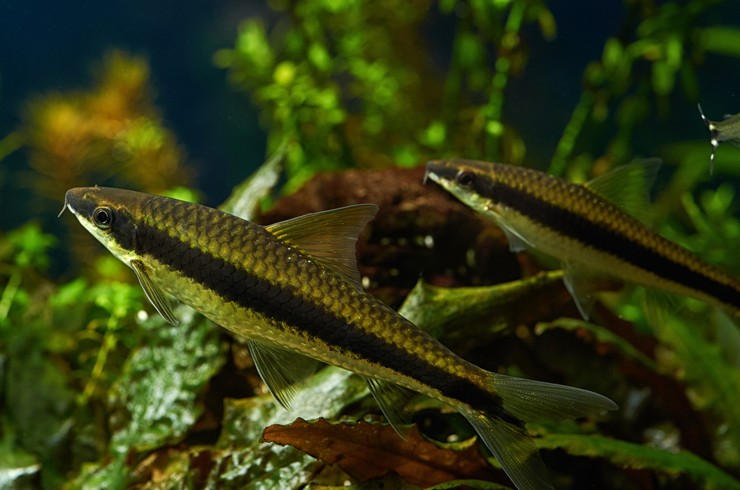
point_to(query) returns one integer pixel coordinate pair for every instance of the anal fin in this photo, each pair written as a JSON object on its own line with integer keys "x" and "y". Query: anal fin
{"x": 513, "y": 448}
{"x": 516, "y": 242}
{"x": 392, "y": 400}
{"x": 582, "y": 286}
{"x": 502, "y": 428}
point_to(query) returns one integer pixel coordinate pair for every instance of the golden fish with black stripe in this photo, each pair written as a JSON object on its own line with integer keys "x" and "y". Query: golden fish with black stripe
{"x": 585, "y": 227}
{"x": 293, "y": 290}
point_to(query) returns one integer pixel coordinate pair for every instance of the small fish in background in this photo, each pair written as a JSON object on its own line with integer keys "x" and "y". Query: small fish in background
{"x": 593, "y": 229}
{"x": 727, "y": 129}
{"x": 293, "y": 290}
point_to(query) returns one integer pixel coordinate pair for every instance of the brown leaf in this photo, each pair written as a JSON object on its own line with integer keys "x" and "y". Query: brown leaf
{"x": 365, "y": 450}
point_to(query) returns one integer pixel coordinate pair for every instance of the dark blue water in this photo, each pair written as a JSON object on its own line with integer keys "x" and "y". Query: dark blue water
{"x": 51, "y": 46}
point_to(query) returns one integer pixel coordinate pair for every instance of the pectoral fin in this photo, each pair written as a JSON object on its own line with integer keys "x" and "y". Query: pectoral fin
{"x": 156, "y": 296}
{"x": 517, "y": 243}
{"x": 280, "y": 369}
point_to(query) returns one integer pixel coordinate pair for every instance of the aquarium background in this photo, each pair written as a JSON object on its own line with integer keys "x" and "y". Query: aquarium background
{"x": 346, "y": 100}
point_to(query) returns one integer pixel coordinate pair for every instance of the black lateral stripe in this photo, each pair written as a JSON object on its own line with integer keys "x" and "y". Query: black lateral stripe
{"x": 287, "y": 306}
{"x": 579, "y": 228}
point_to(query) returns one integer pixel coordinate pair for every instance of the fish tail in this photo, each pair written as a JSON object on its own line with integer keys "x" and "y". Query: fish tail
{"x": 713, "y": 137}
{"x": 522, "y": 400}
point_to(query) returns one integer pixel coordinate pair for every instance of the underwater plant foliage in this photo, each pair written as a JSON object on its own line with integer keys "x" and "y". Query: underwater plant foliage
{"x": 98, "y": 391}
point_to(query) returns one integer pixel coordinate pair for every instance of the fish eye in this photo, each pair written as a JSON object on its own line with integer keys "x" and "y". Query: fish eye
{"x": 465, "y": 178}
{"x": 103, "y": 217}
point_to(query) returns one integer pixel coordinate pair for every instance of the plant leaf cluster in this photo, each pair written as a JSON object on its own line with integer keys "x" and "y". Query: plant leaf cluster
{"x": 96, "y": 391}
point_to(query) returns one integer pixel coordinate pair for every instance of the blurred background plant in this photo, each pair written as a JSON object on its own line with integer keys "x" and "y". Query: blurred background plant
{"x": 94, "y": 392}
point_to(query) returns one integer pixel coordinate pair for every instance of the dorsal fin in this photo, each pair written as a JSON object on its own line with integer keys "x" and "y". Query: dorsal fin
{"x": 329, "y": 237}
{"x": 628, "y": 186}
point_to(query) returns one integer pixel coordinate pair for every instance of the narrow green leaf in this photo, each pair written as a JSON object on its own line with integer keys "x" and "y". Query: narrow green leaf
{"x": 482, "y": 311}
{"x": 246, "y": 196}
{"x": 721, "y": 40}
{"x": 638, "y": 456}
{"x": 602, "y": 335}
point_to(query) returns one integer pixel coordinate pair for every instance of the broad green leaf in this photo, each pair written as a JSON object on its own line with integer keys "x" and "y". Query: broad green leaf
{"x": 161, "y": 380}
{"x": 263, "y": 467}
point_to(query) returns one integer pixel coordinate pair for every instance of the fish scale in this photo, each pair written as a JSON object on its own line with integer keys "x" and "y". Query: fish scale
{"x": 262, "y": 253}
{"x": 293, "y": 291}
{"x": 576, "y": 225}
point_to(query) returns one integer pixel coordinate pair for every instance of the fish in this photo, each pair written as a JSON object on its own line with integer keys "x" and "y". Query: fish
{"x": 293, "y": 291}
{"x": 594, "y": 229}
{"x": 727, "y": 129}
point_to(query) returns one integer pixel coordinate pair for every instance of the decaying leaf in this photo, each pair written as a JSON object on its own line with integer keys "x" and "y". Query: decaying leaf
{"x": 366, "y": 450}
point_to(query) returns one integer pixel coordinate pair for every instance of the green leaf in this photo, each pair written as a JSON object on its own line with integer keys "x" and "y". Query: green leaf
{"x": 161, "y": 380}
{"x": 31, "y": 246}
{"x": 602, "y": 335}
{"x": 721, "y": 40}
{"x": 475, "y": 312}
{"x": 714, "y": 381}
{"x": 18, "y": 469}
{"x": 263, "y": 467}
{"x": 638, "y": 456}
{"x": 325, "y": 394}
{"x": 246, "y": 196}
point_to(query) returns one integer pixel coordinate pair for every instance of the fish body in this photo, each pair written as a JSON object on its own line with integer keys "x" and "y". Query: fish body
{"x": 726, "y": 130}
{"x": 292, "y": 289}
{"x": 589, "y": 233}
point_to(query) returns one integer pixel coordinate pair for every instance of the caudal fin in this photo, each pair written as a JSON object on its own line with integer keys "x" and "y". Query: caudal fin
{"x": 502, "y": 428}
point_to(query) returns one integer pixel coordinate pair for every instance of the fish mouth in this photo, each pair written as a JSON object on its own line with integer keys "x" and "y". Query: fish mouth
{"x": 78, "y": 201}
{"x": 430, "y": 173}
{"x": 439, "y": 171}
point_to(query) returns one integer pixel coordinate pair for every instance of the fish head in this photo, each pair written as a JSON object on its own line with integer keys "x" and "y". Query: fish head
{"x": 472, "y": 182}
{"x": 109, "y": 215}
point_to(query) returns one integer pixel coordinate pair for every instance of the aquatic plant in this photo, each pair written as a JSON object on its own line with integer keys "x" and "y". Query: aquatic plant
{"x": 97, "y": 391}
{"x": 109, "y": 134}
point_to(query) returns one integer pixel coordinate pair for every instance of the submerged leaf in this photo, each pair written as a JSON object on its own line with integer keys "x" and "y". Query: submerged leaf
{"x": 366, "y": 450}
{"x": 602, "y": 335}
{"x": 325, "y": 394}
{"x": 477, "y": 313}
{"x": 246, "y": 196}
{"x": 639, "y": 456}
{"x": 162, "y": 379}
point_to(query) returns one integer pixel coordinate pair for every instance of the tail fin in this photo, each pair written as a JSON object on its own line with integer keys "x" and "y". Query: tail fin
{"x": 502, "y": 428}
{"x": 713, "y": 138}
